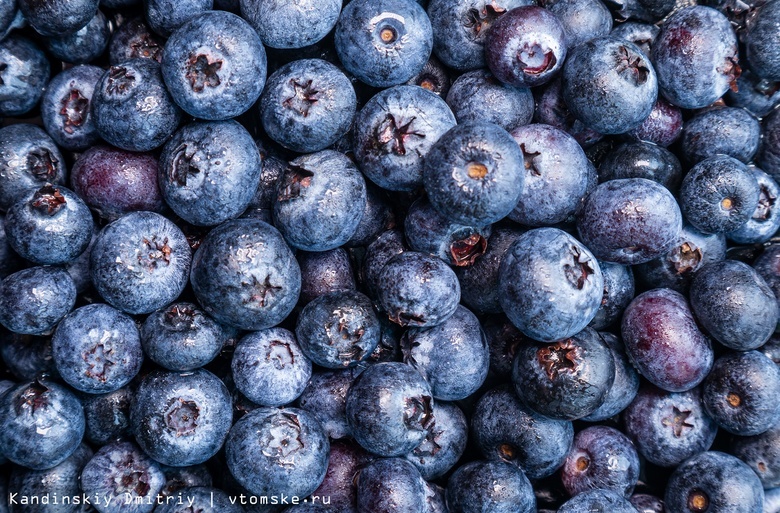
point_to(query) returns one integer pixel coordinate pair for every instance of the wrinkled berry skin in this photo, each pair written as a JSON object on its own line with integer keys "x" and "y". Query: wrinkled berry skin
{"x": 526, "y": 47}
{"x": 269, "y": 368}
{"x": 282, "y": 24}
{"x": 625, "y": 386}
{"x": 41, "y": 424}
{"x": 383, "y": 42}
{"x": 29, "y": 159}
{"x": 140, "y": 262}
{"x": 762, "y": 454}
{"x": 97, "y": 349}
{"x": 51, "y": 225}
{"x": 245, "y": 275}
{"x": 663, "y": 341}
{"x": 493, "y": 486}
{"x": 181, "y": 419}
{"x": 460, "y": 29}
{"x": 33, "y": 301}
{"x": 695, "y": 57}
{"x": 734, "y": 304}
{"x": 565, "y": 380}
{"x": 25, "y": 76}
{"x": 209, "y": 172}
{"x": 741, "y": 393}
{"x": 597, "y": 500}
{"x": 272, "y": 451}
{"x": 389, "y": 409}
{"x": 601, "y": 457}
{"x": 418, "y": 290}
{"x": 609, "y": 85}
{"x": 762, "y": 42}
{"x": 214, "y": 66}
{"x": 662, "y": 127}
{"x": 66, "y": 108}
{"x": 642, "y": 160}
{"x": 478, "y": 96}
{"x": 506, "y": 430}
{"x": 629, "y": 221}
{"x": 394, "y": 129}
{"x": 716, "y": 481}
{"x": 725, "y": 131}
{"x": 307, "y": 105}
{"x": 668, "y": 428}
{"x": 319, "y": 201}
{"x": 557, "y": 176}
{"x": 765, "y": 221}
{"x": 57, "y": 18}
{"x": 550, "y": 285}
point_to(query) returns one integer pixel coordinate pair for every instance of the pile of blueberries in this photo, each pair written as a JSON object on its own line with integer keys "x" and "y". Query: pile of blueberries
{"x": 403, "y": 256}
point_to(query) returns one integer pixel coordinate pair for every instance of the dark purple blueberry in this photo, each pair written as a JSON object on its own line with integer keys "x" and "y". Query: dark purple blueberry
{"x": 664, "y": 342}
{"x": 324, "y": 272}
{"x": 478, "y": 96}
{"x": 551, "y": 109}
{"x": 723, "y": 131}
{"x": 642, "y": 160}
{"x": 667, "y": 427}
{"x": 662, "y": 127}
{"x": 645, "y": 503}
{"x": 597, "y": 500}
{"x": 495, "y": 486}
{"x": 762, "y": 454}
{"x": 377, "y": 217}
{"x": 444, "y": 444}
{"x": 66, "y": 107}
{"x": 346, "y": 460}
{"x": 390, "y": 485}
{"x": 27, "y": 357}
{"x": 762, "y": 41}
{"x": 134, "y": 40}
{"x": 765, "y": 221}
{"x": 325, "y": 397}
{"x": 625, "y": 386}
{"x": 107, "y": 416}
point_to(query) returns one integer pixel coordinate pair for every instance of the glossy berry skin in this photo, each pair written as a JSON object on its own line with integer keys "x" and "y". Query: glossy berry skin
{"x": 338, "y": 329}
{"x": 609, "y": 85}
{"x": 118, "y": 470}
{"x": 283, "y": 24}
{"x": 478, "y": 96}
{"x": 107, "y": 416}
{"x": 181, "y": 419}
{"x": 134, "y": 40}
{"x": 765, "y": 221}
{"x": 762, "y": 41}
{"x": 734, "y": 304}
{"x": 557, "y": 175}
{"x": 565, "y": 380}
{"x": 418, "y": 290}
{"x": 140, "y": 262}
{"x": 85, "y": 45}
{"x": 25, "y": 76}
{"x": 663, "y": 126}
{"x": 493, "y": 486}
{"x": 119, "y": 106}
{"x": 29, "y": 159}
{"x": 618, "y": 292}
{"x": 582, "y": 21}
{"x": 209, "y": 171}
{"x": 57, "y": 18}
{"x": 453, "y": 357}
{"x": 526, "y": 47}
{"x": 444, "y": 444}
{"x": 274, "y": 450}
{"x": 642, "y": 160}
{"x": 625, "y": 386}
{"x": 506, "y": 430}
{"x": 181, "y": 337}
{"x": 324, "y": 272}
{"x": 65, "y": 108}
{"x": 165, "y": 16}
{"x": 383, "y": 42}
{"x": 388, "y": 485}
{"x": 324, "y": 396}
{"x": 603, "y": 458}
{"x": 460, "y": 29}
{"x": 629, "y": 221}
{"x": 550, "y": 285}
{"x": 663, "y": 341}
{"x": 389, "y": 409}
{"x": 725, "y": 131}
{"x": 33, "y": 300}
{"x": 394, "y": 129}
{"x": 319, "y": 201}
{"x": 97, "y": 349}
{"x": 214, "y": 66}
{"x": 595, "y": 500}
{"x": 307, "y": 105}
{"x": 695, "y": 57}
{"x": 668, "y": 428}
{"x": 249, "y": 293}
{"x": 41, "y": 424}
{"x": 269, "y": 368}
{"x": 716, "y": 481}
{"x": 760, "y": 452}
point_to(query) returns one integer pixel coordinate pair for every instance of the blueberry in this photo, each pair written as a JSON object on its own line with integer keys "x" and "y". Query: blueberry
{"x": 478, "y": 96}
{"x": 10, "y": 262}
{"x": 662, "y": 127}
{"x": 107, "y": 416}
{"x": 758, "y": 96}
{"x": 582, "y": 20}
{"x": 214, "y": 66}
{"x": 394, "y": 129}
{"x": 663, "y": 340}
{"x": 291, "y": 25}
{"x": 325, "y": 397}
{"x": 387, "y": 245}
{"x": 24, "y": 75}
{"x": 504, "y": 340}
{"x": 641, "y": 34}
{"x": 319, "y": 201}
{"x": 244, "y": 275}
{"x": 724, "y": 131}
{"x": 278, "y": 451}
{"x": 550, "y": 285}
{"x": 377, "y": 217}
{"x": 766, "y": 266}
{"x": 383, "y": 42}
{"x": 388, "y": 485}
{"x": 27, "y": 357}
{"x": 179, "y": 479}
{"x": 209, "y": 171}
{"x": 668, "y": 428}
{"x": 65, "y": 108}
{"x": 132, "y": 107}
{"x": 57, "y": 18}
{"x": 41, "y": 424}
{"x": 97, "y": 349}
{"x": 551, "y": 109}
{"x": 490, "y": 486}
{"x": 165, "y": 16}
{"x": 597, "y": 500}
{"x": 645, "y": 503}
{"x": 444, "y": 444}
{"x": 346, "y": 459}
{"x": 434, "y": 77}
{"x": 84, "y": 45}
{"x": 134, "y": 40}
{"x": 618, "y": 293}
{"x": 33, "y": 301}
{"x": 768, "y": 154}
{"x": 642, "y": 160}
{"x": 765, "y": 221}
{"x": 760, "y": 452}
{"x": 324, "y": 272}
{"x": 625, "y": 386}
{"x": 714, "y": 481}
{"x": 762, "y": 40}
{"x": 180, "y": 419}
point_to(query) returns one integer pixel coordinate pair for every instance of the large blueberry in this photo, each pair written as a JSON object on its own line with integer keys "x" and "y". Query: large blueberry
{"x": 478, "y": 96}
{"x": 444, "y": 444}
{"x": 33, "y": 301}
{"x": 725, "y": 131}
{"x": 57, "y": 18}
{"x": 283, "y": 24}
{"x": 493, "y": 486}
{"x": 66, "y": 107}
{"x": 24, "y": 76}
